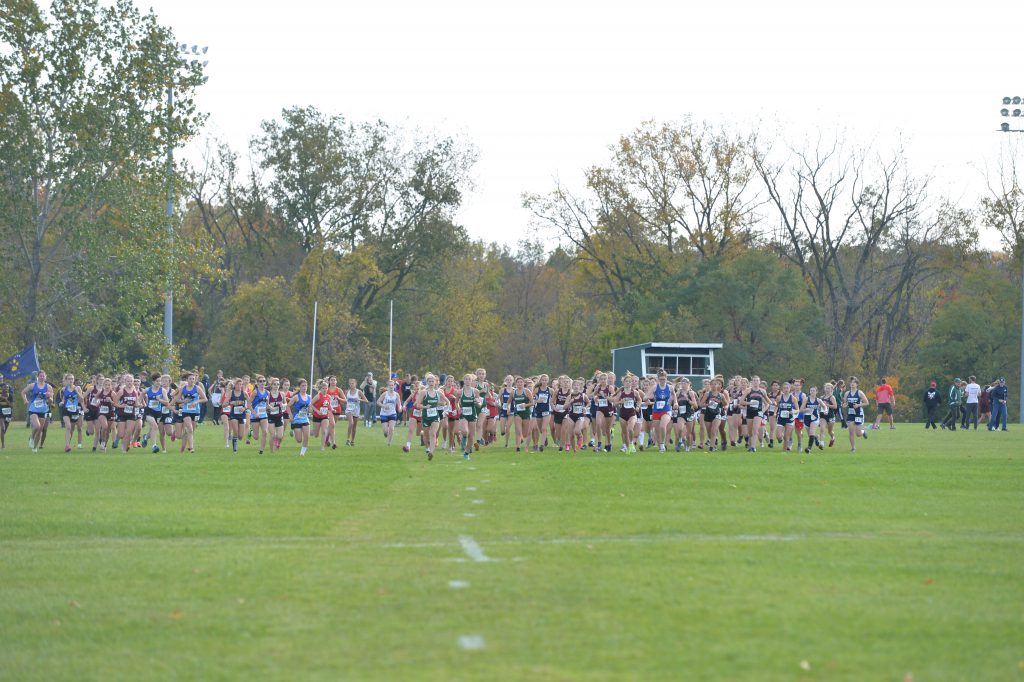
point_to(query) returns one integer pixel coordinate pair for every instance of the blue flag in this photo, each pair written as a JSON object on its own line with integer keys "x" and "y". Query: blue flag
{"x": 20, "y": 364}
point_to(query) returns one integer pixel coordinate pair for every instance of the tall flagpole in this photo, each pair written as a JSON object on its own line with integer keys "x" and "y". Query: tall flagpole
{"x": 391, "y": 336}
{"x": 312, "y": 356}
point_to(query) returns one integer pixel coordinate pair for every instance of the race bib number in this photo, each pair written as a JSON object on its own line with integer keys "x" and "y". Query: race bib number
{"x": 6, "y": 411}
{"x": 628, "y": 403}
{"x": 559, "y": 408}
{"x": 39, "y": 403}
{"x": 104, "y": 409}
{"x": 215, "y": 399}
{"x": 275, "y": 409}
{"x": 755, "y": 404}
{"x": 577, "y": 409}
{"x": 261, "y": 410}
{"x": 852, "y": 411}
{"x": 94, "y": 402}
{"x": 602, "y": 402}
{"x": 334, "y": 402}
{"x": 468, "y": 411}
{"x": 352, "y": 408}
{"x": 784, "y": 414}
{"x": 154, "y": 405}
{"x": 659, "y": 405}
{"x": 416, "y": 413}
{"x": 431, "y": 412}
{"x": 238, "y": 409}
{"x": 712, "y": 404}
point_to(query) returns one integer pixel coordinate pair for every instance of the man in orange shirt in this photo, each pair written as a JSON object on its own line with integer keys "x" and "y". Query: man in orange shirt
{"x": 886, "y": 401}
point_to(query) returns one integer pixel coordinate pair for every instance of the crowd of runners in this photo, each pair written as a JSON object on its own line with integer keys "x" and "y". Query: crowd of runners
{"x": 453, "y": 414}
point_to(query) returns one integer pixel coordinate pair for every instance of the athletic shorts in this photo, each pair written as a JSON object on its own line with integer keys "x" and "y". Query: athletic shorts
{"x": 809, "y": 422}
{"x": 90, "y": 416}
{"x": 799, "y": 423}
{"x": 73, "y": 416}
{"x": 710, "y": 415}
{"x": 523, "y": 415}
{"x": 856, "y": 417}
{"x": 656, "y": 416}
{"x": 885, "y": 407}
{"x": 178, "y": 418}
{"x": 167, "y": 418}
{"x": 299, "y": 426}
{"x": 7, "y": 414}
{"x": 155, "y": 414}
{"x": 782, "y": 422}
{"x": 385, "y": 418}
{"x": 646, "y": 412}
{"x": 626, "y": 415}
{"x": 275, "y": 420}
{"x": 559, "y": 417}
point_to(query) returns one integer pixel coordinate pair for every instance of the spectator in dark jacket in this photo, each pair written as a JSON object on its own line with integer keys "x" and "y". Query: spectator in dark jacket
{"x": 932, "y": 400}
{"x": 999, "y": 396}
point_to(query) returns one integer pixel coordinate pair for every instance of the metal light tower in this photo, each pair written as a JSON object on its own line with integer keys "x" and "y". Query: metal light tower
{"x": 194, "y": 52}
{"x": 1005, "y": 127}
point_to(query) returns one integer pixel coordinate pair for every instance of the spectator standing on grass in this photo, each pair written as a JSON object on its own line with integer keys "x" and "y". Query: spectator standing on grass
{"x": 885, "y": 401}
{"x": 985, "y": 403}
{"x": 932, "y": 400}
{"x": 369, "y": 389}
{"x": 963, "y": 404}
{"x": 999, "y": 396}
{"x": 971, "y": 392}
{"x": 953, "y": 401}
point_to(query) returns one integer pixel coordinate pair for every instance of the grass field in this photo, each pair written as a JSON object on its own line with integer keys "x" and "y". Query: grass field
{"x": 902, "y": 561}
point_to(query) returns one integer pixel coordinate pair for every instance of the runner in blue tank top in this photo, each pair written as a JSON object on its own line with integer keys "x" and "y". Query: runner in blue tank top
{"x": 299, "y": 406}
{"x": 37, "y": 396}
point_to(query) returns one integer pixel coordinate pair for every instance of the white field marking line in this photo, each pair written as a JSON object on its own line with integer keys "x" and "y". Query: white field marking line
{"x": 472, "y": 549}
{"x": 478, "y": 501}
{"x": 471, "y": 642}
{"x": 331, "y": 541}
{"x": 471, "y": 488}
{"x": 458, "y": 584}
{"x": 469, "y": 515}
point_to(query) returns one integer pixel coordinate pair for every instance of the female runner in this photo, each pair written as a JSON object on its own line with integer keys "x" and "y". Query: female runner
{"x": 541, "y": 413}
{"x": 277, "y": 405}
{"x": 663, "y": 399}
{"x": 628, "y": 399}
{"x": 299, "y": 406}
{"x": 415, "y": 416}
{"x": 787, "y": 407}
{"x": 519, "y": 406}
{"x": 686, "y": 399}
{"x": 354, "y": 400}
{"x": 753, "y": 402}
{"x": 127, "y": 397}
{"x": 576, "y": 405}
{"x": 450, "y": 420}
{"x": 855, "y": 401}
{"x": 813, "y": 408}
{"x": 155, "y": 398}
{"x": 390, "y": 404}
{"x": 71, "y": 400}
{"x": 431, "y": 402}
{"x": 190, "y": 397}
{"x": 337, "y": 408}
{"x": 563, "y": 388}
{"x": 236, "y": 402}
{"x": 256, "y": 406}
{"x": 323, "y": 421}
{"x": 503, "y": 414}
{"x": 604, "y": 413}
{"x": 466, "y": 406}
{"x": 831, "y": 411}
{"x": 711, "y": 404}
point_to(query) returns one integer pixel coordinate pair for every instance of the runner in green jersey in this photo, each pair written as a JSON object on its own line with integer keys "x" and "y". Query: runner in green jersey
{"x": 432, "y": 404}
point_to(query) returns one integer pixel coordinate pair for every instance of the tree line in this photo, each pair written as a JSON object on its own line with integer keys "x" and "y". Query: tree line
{"x": 818, "y": 261}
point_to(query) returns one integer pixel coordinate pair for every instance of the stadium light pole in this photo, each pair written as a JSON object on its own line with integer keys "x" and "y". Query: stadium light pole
{"x": 193, "y": 55}
{"x": 1005, "y": 128}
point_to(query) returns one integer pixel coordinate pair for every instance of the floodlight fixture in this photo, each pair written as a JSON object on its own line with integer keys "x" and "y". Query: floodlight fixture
{"x": 1016, "y": 100}
{"x": 1005, "y": 127}
{"x": 1004, "y": 112}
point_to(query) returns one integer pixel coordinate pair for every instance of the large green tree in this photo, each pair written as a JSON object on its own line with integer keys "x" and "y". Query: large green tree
{"x": 84, "y": 134}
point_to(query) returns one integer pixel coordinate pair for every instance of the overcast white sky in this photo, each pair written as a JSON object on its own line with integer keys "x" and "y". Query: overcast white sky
{"x": 542, "y": 88}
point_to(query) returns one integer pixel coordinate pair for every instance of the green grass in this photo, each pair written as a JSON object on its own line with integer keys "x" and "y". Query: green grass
{"x": 903, "y": 558}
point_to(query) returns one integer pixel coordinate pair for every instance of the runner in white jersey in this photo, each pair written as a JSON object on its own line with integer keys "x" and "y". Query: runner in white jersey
{"x": 390, "y": 404}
